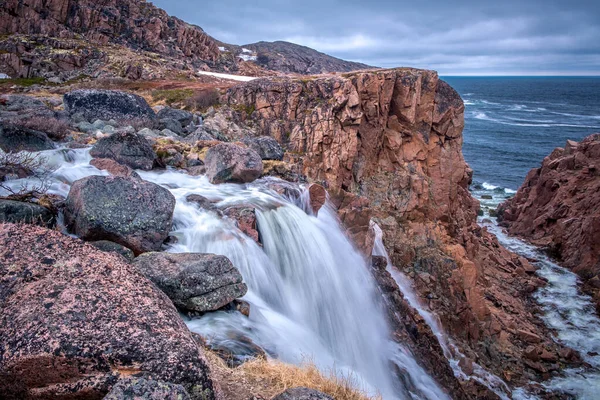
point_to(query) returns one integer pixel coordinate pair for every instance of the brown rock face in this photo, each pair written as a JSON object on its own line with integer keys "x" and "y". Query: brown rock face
{"x": 73, "y": 320}
{"x": 558, "y": 207}
{"x": 134, "y": 23}
{"x": 386, "y": 144}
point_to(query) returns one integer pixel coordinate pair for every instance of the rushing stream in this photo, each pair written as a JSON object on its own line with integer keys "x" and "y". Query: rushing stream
{"x": 311, "y": 294}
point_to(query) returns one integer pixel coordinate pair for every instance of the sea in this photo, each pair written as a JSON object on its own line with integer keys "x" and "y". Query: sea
{"x": 512, "y": 123}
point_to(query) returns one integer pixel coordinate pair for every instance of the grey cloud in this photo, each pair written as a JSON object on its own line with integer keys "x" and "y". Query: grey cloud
{"x": 464, "y": 37}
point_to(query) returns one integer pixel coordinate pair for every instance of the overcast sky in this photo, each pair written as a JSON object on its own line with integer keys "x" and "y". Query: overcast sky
{"x": 477, "y": 37}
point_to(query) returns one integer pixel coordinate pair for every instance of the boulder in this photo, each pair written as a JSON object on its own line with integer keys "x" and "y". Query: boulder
{"x": 128, "y": 149}
{"x": 302, "y": 393}
{"x": 95, "y": 104}
{"x": 74, "y": 320}
{"x": 112, "y": 247}
{"x": 194, "y": 282}
{"x": 146, "y": 389}
{"x": 172, "y": 125}
{"x": 28, "y": 213}
{"x": 228, "y": 162}
{"x": 131, "y": 212}
{"x": 266, "y": 147}
{"x": 183, "y": 117}
{"x": 15, "y": 138}
{"x": 114, "y": 168}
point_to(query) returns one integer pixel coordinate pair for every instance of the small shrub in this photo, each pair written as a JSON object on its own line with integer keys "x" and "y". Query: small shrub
{"x": 21, "y": 165}
{"x": 56, "y": 129}
{"x": 203, "y": 99}
{"x": 172, "y": 96}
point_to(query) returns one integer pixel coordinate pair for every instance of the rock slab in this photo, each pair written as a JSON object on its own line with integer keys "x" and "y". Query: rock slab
{"x": 15, "y": 138}
{"x": 194, "y": 282}
{"x": 228, "y": 162}
{"x": 28, "y": 213}
{"x": 145, "y": 389}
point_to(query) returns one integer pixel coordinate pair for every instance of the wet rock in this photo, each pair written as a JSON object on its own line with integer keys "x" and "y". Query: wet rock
{"x": 84, "y": 319}
{"x": 28, "y": 213}
{"x": 112, "y": 247}
{"x": 131, "y": 212}
{"x": 267, "y": 147}
{"x": 194, "y": 282}
{"x": 302, "y": 393}
{"x": 203, "y": 203}
{"x": 96, "y": 104}
{"x": 228, "y": 162}
{"x": 183, "y": 117}
{"x": 128, "y": 149}
{"x": 237, "y": 349}
{"x": 318, "y": 197}
{"x": 146, "y": 389}
{"x": 15, "y": 138}
{"x": 245, "y": 220}
{"x": 114, "y": 168}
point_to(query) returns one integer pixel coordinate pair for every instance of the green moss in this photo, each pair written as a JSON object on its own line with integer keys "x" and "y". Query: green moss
{"x": 38, "y": 80}
{"x": 172, "y": 96}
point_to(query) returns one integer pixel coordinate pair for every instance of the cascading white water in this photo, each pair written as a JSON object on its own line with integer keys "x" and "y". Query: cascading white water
{"x": 311, "y": 294}
{"x": 568, "y": 312}
{"x": 451, "y": 351}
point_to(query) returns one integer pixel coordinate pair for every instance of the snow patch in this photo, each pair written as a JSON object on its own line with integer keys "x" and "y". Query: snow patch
{"x": 246, "y": 57}
{"x": 227, "y": 76}
{"x": 221, "y": 48}
{"x": 4, "y": 76}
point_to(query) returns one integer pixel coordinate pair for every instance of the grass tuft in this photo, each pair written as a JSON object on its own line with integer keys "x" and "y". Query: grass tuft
{"x": 266, "y": 378}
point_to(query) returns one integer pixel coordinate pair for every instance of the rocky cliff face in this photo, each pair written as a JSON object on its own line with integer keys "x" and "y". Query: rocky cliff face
{"x": 558, "y": 207}
{"x": 387, "y": 146}
{"x": 134, "y": 23}
{"x": 292, "y": 58}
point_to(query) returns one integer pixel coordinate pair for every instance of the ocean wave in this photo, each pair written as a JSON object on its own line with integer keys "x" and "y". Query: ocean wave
{"x": 468, "y": 103}
{"x": 575, "y": 115}
{"x": 531, "y": 123}
{"x": 488, "y": 187}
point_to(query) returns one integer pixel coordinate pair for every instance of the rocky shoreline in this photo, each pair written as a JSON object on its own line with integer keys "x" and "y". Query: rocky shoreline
{"x": 556, "y": 208}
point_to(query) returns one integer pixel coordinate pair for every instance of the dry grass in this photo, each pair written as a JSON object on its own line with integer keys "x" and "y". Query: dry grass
{"x": 261, "y": 378}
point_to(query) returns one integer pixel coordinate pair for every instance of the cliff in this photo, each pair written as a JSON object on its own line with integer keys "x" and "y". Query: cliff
{"x": 558, "y": 208}
{"x": 387, "y": 146}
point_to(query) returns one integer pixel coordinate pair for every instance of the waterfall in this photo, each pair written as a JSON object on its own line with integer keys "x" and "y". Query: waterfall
{"x": 451, "y": 351}
{"x": 311, "y": 294}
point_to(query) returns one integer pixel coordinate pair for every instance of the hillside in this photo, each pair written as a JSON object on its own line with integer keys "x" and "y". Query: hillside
{"x": 292, "y": 58}
{"x": 64, "y": 40}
